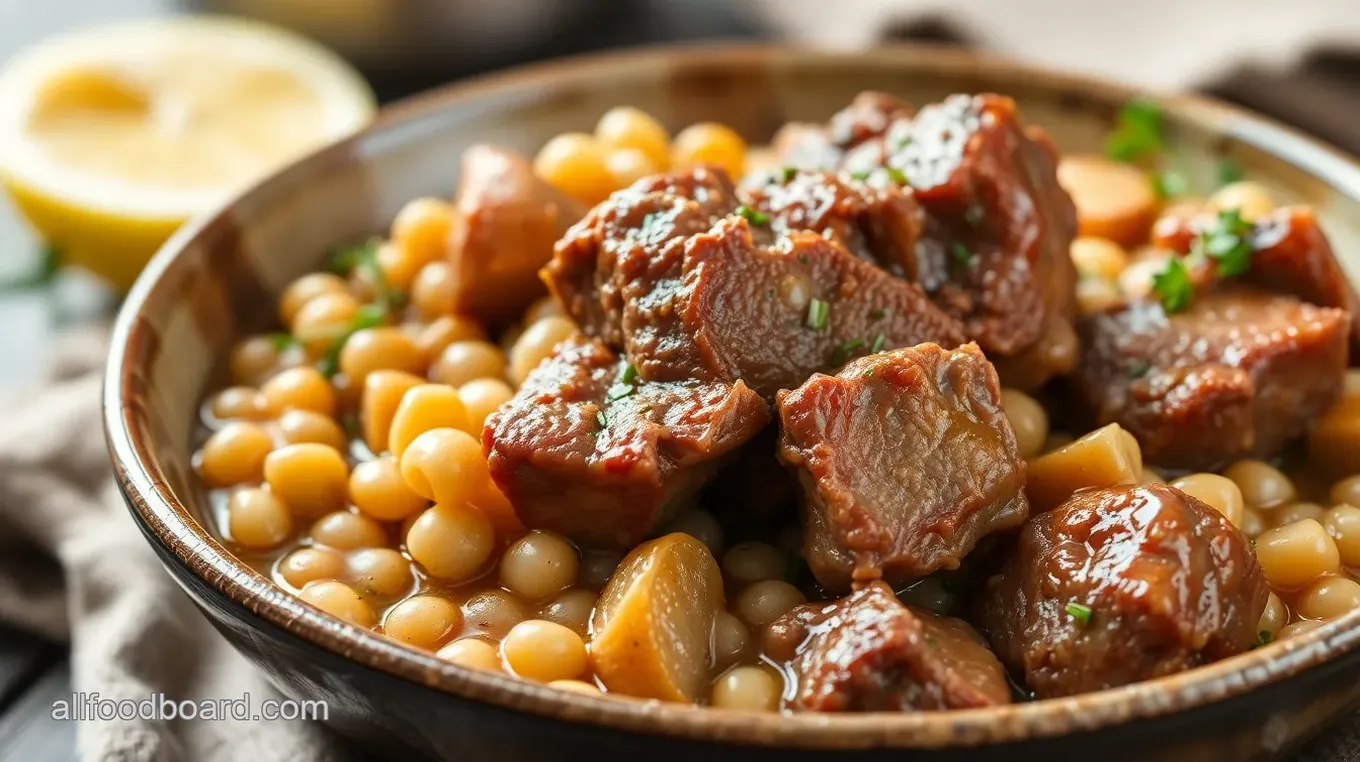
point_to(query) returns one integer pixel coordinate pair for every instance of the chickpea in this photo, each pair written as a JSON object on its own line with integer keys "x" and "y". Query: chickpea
{"x": 496, "y": 506}
{"x": 493, "y": 613}
{"x": 383, "y": 392}
{"x": 379, "y": 571}
{"x": 543, "y": 307}
{"x": 748, "y": 562}
{"x": 338, "y": 600}
{"x": 536, "y": 344}
{"x": 242, "y": 402}
{"x": 424, "y": 408}
{"x": 257, "y": 519}
{"x": 452, "y": 542}
{"x": 434, "y": 290}
{"x": 1097, "y": 295}
{"x": 1219, "y": 492}
{"x": 483, "y": 397}
{"x": 575, "y": 686}
{"x": 628, "y": 127}
{"x": 596, "y": 568}
{"x": 397, "y": 266}
{"x": 306, "y": 426}
{"x": 1295, "y": 555}
{"x": 384, "y": 348}
{"x": 473, "y": 654}
{"x": 574, "y": 163}
{"x": 432, "y": 339}
{"x": 539, "y": 565}
{"x": 1298, "y": 628}
{"x": 311, "y": 478}
{"x": 446, "y": 466}
{"x": 1329, "y": 598}
{"x": 1343, "y": 524}
{"x": 378, "y": 491}
{"x": 709, "y": 143}
{"x": 311, "y": 565}
{"x": 1346, "y": 491}
{"x": 572, "y": 610}
{"x": 421, "y": 231}
{"x": 1250, "y": 199}
{"x": 763, "y": 602}
{"x": 628, "y": 165}
{"x": 1253, "y": 522}
{"x": 752, "y": 689}
{"x": 1028, "y": 419}
{"x": 302, "y": 388}
{"x": 544, "y": 651}
{"x": 423, "y": 621}
{"x": 323, "y": 319}
{"x": 730, "y": 638}
{"x": 1098, "y": 258}
{"x": 464, "y": 361}
{"x": 1273, "y": 617}
{"x": 697, "y": 524}
{"x": 235, "y": 454}
{"x": 1262, "y": 485}
{"x": 1297, "y": 512}
{"x": 348, "y": 531}
{"x": 306, "y": 288}
{"x": 253, "y": 359}
{"x": 509, "y": 335}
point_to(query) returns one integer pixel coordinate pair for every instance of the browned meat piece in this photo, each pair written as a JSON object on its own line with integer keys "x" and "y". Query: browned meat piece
{"x": 627, "y": 244}
{"x": 507, "y": 223}
{"x": 1291, "y": 255}
{"x": 806, "y": 146}
{"x": 773, "y": 316}
{"x": 1237, "y": 374}
{"x": 603, "y": 460}
{"x": 1119, "y": 585}
{"x": 906, "y": 460}
{"x": 876, "y": 221}
{"x": 867, "y": 118}
{"x": 868, "y": 652}
{"x": 999, "y": 226}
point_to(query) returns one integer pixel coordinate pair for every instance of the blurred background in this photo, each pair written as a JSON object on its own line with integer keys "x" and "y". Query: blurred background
{"x": 1295, "y": 60}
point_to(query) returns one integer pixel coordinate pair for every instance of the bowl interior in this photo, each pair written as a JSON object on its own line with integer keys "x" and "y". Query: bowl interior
{"x": 218, "y": 279}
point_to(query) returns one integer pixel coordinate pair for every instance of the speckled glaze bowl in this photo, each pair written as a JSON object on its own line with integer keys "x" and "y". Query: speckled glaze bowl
{"x": 218, "y": 278}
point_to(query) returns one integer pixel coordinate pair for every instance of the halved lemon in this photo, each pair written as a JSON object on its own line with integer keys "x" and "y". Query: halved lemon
{"x": 111, "y": 138}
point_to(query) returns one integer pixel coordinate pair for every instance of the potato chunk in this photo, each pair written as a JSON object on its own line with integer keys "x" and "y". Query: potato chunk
{"x": 1103, "y": 458}
{"x": 1113, "y": 200}
{"x": 654, "y": 620}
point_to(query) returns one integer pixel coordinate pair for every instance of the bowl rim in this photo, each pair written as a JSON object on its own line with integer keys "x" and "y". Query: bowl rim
{"x": 164, "y": 518}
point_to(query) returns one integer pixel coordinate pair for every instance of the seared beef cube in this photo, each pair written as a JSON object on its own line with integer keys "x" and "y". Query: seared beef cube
{"x": 632, "y": 241}
{"x": 773, "y": 316}
{"x": 588, "y": 450}
{"x": 868, "y": 652}
{"x": 507, "y": 222}
{"x": 869, "y": 115}
{"x": 1123, "y": 584}
{"x": 1237, "y": 374}
{"x": 999, "y": 226}
{"x": 876, "y": 220}
{"x": 906, "y": 460}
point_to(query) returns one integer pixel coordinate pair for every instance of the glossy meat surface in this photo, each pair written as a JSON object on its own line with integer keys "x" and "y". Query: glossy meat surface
{"x": 868, "y": 652}
{"x": 507, "y": 223}
{"x": 823, "y": 147}
{"x": 1237, "y": 374}
{"x": 582, "y": 452}
{"x": 906, "y": 460}
{"x": 1167, "y": 582}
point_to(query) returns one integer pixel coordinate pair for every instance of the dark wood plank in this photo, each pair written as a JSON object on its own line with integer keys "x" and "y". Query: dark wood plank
{"x": 27, "y": 731}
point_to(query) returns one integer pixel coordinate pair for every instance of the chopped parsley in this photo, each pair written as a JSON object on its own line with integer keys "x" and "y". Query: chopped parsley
{"x": 1139, "y": 368}
{"x": 878, "y": 313}
{"x": 363, "y": 259}
{"x": 819, "y": 312}
{"x": 787, "y": 174}
{"x": 1227, "y": 241}
{"x": 367, "y": 316}
{"x": 877, "y": 345}
{"x": 1080, "y": 613}
{"x": 896, "y": 175}
{"x": 963, "y": 255}
{"x": 619, "y": 391}
{"x": 283, "y": 341}
{"x": 1229, "y": 172}
{"x": 753, "y": 216}
{"x": 599, "y": 416}
{"x": 1170, "y": 183}
{"x": 1263, "y": 638}
{"x": 1172, "y": 286}
{"x": 845, "y": 351}
{"x": 629, "y": 374}
{"x": 1138, "y": 132}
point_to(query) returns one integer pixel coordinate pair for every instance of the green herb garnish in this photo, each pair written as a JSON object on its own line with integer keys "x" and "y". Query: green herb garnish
{"x": 1139, "y": 368}
{"x": 367, "y": 316}
{"x": 860, "y": 175}
{"x": 599, "y": 416}
{"x": 283, "y": 341}
{"x": 1263, "y": 638}
{"x": 1080, "y": 613}
{"x": 1172, "y": 286}
{"x": 877, "y": 345}
{"x": 788, "y": 173}
{"x": 878, "y": 313}
{"x": 818, "y": 314}
{"x": 962, "y": 254}
{"x": 363, "y": 259}
{"x": 1170, "y": 183}
{"x": 1229, "y": 172}
{"x": 1138, "y": 132}
{"x": 803, "y": 257}
{"x": 1227, "y": 241}
{"x": 845, "y": 350}
{"x": 896, "y": 175}
{"x": 753, "y": 216}
{"x": 629, "y": 374}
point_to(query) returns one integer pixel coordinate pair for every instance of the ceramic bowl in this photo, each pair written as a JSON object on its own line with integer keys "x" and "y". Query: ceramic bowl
{"x": 218, "y": 278}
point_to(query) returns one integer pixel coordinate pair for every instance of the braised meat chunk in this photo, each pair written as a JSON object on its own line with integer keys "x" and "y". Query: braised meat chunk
{"x": 1237, "y": 374}
{"x": 906, "y": 459}
{"x": 868, "y": 652}
{"x": 818, "y": 147}
{"x": 588, "y": 450}
{"x": 1123, "y": 584}
{"x": 507, "y": 223}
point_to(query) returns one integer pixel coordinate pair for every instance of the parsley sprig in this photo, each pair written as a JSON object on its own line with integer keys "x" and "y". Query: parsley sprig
{"x": 1226, "y": 241}
{"x": 1138, "y": 132}
{"x": 1081, "y": 613}
{"x": 1172, "y": 285}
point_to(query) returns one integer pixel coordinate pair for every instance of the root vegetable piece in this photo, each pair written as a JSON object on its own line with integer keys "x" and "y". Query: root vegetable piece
{"x": 653, "y": 623}
{"x": 1103, "y": 458}
{"x": 1113, "y": 200}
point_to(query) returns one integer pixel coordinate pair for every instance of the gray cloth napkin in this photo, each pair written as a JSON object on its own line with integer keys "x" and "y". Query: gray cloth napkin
{"x": 74, "y": 566}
